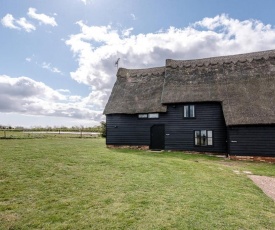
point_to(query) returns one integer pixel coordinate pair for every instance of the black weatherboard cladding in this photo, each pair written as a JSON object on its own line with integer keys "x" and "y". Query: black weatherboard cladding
{"x": 127, "y": 129}
{"x": 208, "y": 116}
{"x": 253, "y": 140}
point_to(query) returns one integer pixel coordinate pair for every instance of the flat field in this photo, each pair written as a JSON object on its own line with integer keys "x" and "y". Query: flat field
{"x": 77, "y": 183}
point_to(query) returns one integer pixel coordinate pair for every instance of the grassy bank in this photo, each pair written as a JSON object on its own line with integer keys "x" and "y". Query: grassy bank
{"x": 73, "y": 183}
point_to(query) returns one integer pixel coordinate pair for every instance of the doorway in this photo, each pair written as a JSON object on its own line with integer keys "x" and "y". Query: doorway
{"x": 157, "y": 137}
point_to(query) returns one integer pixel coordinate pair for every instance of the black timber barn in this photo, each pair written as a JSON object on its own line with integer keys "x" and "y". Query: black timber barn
{"x": 221, "y": 105}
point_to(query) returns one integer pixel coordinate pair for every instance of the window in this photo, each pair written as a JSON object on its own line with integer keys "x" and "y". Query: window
{"x": 153, "y": 115}
{"x": 189, "y": 111}
{"x": 149, "y": 115}
{"x": 143, "y": 115}
{"x": 203, "y": 137}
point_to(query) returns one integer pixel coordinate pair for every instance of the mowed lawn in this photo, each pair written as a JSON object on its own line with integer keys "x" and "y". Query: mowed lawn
{"x": 74, "y": 183}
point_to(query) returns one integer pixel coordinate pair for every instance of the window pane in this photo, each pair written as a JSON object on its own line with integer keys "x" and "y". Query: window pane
{"x": 210, "y": 137}
{"x": 203, "y": 137}
{"x": 153, "y": 115}
{"x": 209, "y": 133}
{"x": 192, "y": 111}
{"x": 142, "y": 116}
{"x": 197, "y": 138}
{"x": 210, "y": 141}
{"x": 186, "y": 111}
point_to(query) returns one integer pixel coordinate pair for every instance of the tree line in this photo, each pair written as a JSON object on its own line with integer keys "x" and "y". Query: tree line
{"x": 99, "y": 128}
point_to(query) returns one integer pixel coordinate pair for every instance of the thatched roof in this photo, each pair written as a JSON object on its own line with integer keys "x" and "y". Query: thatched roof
{"x": 137, "y": 91}
{"x": 244, "y": 84}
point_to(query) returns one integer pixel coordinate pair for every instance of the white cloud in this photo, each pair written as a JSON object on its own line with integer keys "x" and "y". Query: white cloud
{"x": 127, "y": 32}
{"x": 30, "y": 58}
{"x": 8, "y": 21}
{"x": 96, "y": 48}
{"x": 26, "y": 87}
{"x": 45, "y": 65}
{"x": 133, "y": 17}
{"x": 43, "y": 18}
{"x": 86, "y": 1}
{"x": 64, "y": 90}
{"x": 26, "y": 96}
{"x": 27, "y": 26}
{"x": 49, "y": 67}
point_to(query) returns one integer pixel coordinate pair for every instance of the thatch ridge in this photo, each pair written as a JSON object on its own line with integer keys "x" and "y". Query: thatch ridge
{"x": 246, "y": 57}
{"x": 122, "y": 72}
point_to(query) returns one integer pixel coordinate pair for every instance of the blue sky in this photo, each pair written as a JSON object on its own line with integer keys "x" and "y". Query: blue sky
{"x": 57, "y": 57}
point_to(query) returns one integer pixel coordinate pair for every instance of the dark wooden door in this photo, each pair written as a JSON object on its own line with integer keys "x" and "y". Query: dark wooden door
{"x": 157, "y": 137}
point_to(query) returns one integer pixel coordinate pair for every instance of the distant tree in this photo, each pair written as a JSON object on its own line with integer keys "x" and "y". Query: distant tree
{"x": 64, "y": 128}
{"x": 103, "y": 128}
{"x": 19, "y": 127}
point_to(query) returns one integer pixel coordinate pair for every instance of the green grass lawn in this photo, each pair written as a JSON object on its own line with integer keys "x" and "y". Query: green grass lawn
{"x": 73, "y": 183}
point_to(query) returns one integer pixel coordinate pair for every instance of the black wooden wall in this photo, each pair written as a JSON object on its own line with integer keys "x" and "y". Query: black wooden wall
{"x": 252, "y": 140}
{"x": 209, "y": 116}
{"x": 123, "y": 129}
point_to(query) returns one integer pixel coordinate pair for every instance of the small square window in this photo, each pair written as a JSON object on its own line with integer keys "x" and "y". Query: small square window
{"x": 153, "y": 115}
{"x": 210, "y": 137}
{"x": 197, "y": 138}
{"x": 186, "y": 111}
{"x": 192, "y": 111}
{"x": 143, "y": 115}
{"x": 189, "y": 111}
